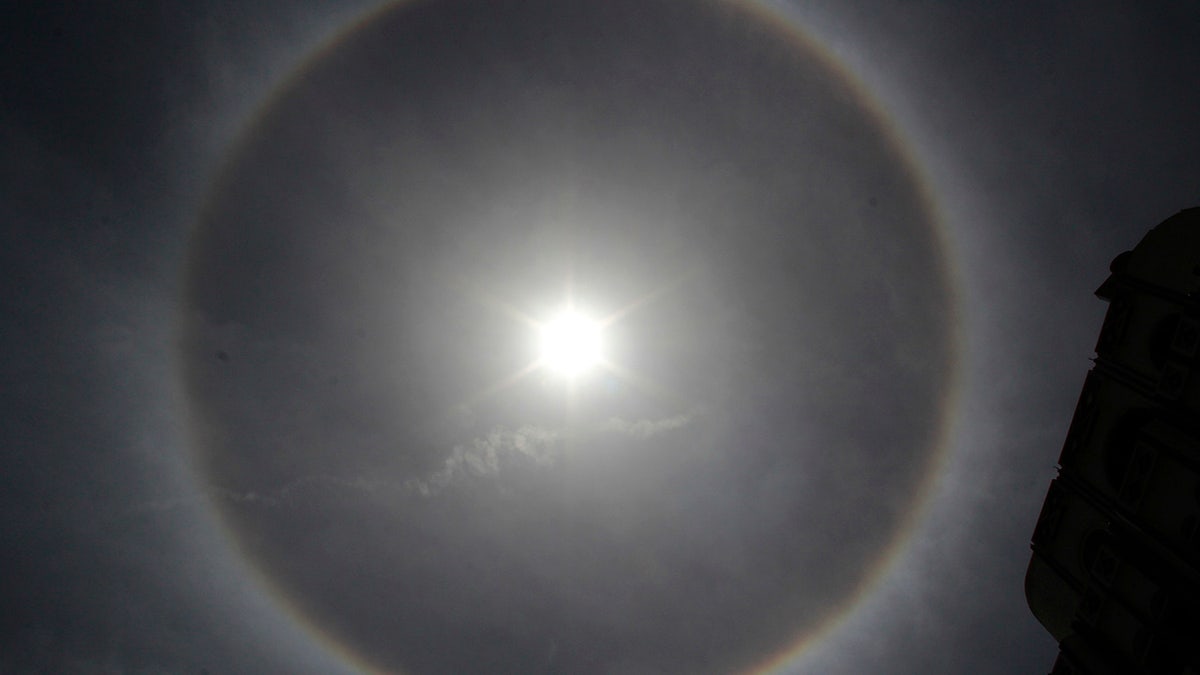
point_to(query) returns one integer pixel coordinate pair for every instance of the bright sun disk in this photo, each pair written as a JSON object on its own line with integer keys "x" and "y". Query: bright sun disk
{"x": 570, "y": 343}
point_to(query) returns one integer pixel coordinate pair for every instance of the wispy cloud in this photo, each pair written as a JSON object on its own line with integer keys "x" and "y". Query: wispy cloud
{"x": 489, "y": 454}
{"x": 643, "y": 429}
{"x": 499, "y": 450}
{"x": 502, "y": 447}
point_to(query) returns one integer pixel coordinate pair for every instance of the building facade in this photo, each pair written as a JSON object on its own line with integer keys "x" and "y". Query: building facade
{"x": 1115, "y": 571}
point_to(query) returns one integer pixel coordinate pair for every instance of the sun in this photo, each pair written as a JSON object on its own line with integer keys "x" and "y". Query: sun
{"x": 571, "y": 343}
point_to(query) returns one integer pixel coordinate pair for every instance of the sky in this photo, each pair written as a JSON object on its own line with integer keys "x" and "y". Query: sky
{"x": 277, "y": 277}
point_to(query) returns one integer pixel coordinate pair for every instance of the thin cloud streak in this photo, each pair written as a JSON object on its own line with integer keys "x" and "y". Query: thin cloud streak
{"x": 484, "y": 456}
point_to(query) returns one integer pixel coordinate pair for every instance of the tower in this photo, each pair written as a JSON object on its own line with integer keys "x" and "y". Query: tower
{"x": 1115, "y": 571}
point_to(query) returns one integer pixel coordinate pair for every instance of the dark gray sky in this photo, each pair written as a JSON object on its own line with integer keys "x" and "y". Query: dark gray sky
{"x": 257, "y": 334}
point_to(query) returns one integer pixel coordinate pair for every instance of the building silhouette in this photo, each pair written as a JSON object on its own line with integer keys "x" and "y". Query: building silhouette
{"x": 1115, "y": 571}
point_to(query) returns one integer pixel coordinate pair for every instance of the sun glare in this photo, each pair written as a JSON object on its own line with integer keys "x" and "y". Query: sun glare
{"x": 570, "y": 343}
